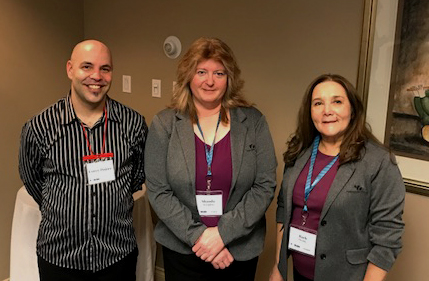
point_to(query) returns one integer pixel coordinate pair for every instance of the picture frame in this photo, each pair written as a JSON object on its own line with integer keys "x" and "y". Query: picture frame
{"x": 374, "y": 82}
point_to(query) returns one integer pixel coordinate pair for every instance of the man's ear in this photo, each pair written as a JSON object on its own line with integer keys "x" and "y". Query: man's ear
{"x": 69, "y": 67}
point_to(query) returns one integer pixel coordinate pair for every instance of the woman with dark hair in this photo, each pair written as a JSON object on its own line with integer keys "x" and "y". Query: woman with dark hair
{"x": 339, "y": 212}
{"x": 210, "y": 170}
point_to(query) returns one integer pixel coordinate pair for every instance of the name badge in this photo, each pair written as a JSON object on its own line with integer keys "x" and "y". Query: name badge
{"x": 209, "y": 203}
{"x": 302, "y": 240}
{"x": 99, "y": 168}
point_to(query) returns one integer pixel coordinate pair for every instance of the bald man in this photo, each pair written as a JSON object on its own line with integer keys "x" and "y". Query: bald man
{"x": 81, "y": 160}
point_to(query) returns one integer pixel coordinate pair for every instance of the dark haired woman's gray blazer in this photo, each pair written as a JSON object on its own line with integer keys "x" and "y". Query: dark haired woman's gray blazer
{"x": 170, "y": 180}
{"x": 361, "y": 220}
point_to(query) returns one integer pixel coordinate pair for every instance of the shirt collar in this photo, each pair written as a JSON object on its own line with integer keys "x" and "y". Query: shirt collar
{"x": 112, "y": 110}
{"x": 69, "y": 114}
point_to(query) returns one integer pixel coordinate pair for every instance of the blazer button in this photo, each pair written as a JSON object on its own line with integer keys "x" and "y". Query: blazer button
{"x": 323, "y": 256}
{"x": 323, "y": 223}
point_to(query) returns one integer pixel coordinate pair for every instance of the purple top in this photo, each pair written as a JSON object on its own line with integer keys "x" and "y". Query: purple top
{"x": 221, "y": 171}
{"x": 305, "y": 264}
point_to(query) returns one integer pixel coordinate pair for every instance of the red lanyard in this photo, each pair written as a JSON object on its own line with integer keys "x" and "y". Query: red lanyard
{"x": 102, "y": 154}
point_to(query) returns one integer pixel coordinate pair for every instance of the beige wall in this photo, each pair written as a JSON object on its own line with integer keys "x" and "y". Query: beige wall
{"x": 280, "y": 45}
{"x": 36, "y": 38}
{"x": 412, "y": 263}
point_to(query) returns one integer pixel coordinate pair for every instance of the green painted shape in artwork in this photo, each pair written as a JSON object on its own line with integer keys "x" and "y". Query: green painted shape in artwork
{"x": 425, "y": 104}
{"x": 422, "y": 107}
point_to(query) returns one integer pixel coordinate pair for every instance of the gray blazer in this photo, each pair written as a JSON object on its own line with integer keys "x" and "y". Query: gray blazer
{"x": 170, "y": 180}
{"x": 361, "y": 220}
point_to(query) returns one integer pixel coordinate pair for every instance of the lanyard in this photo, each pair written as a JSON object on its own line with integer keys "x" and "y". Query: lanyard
{"x": 209, "y": 153}
{"x": 308, "y": 184}
{"x": 104, "y": 138}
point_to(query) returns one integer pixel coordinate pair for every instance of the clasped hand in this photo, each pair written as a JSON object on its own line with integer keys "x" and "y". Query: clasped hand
{"x": 210, "y": 248}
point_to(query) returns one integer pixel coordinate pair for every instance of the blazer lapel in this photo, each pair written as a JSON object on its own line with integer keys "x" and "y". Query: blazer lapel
{"x": 344, "y": 173}
{"x": 185, "y": 132}
{"x": 238, "y": 133}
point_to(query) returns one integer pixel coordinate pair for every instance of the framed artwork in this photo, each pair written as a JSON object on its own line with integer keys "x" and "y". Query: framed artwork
{"x": 407, "y": 127}
{"x": 394, "y": 83}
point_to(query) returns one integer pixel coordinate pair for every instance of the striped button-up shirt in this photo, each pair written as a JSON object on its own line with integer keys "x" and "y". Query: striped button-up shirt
{"x": 84, "y": 227}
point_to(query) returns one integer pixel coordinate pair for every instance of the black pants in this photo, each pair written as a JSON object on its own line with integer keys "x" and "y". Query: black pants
{"x": 123, "y": 270}
{"x": 179, "y": 267}
{"x": 299, "y": 277}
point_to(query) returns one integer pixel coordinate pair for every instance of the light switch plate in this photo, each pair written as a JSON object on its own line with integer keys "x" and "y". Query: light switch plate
{"x": 156, "y": 88}
{"x": 126, "y": 84}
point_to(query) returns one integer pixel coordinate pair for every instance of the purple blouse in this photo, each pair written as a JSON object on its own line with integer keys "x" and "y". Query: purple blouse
{"x": 305, "y": 264}
{"x": 221, "y": 171}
